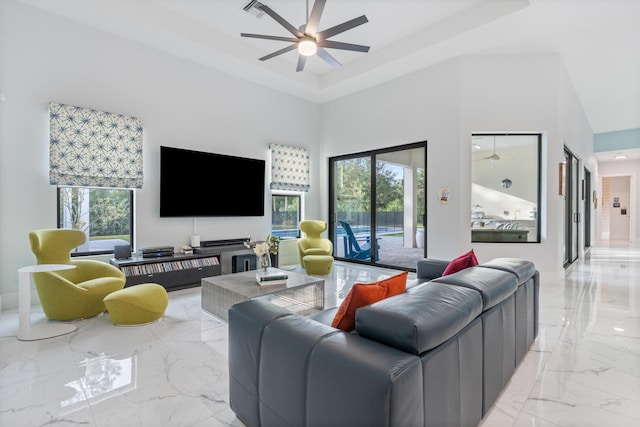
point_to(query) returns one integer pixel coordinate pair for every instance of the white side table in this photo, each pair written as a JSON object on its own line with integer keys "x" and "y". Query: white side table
{"x": 26, "y": 330}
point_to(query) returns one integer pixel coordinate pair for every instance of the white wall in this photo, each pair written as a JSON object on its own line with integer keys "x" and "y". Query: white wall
{"x": 444, "y": 105}
{"x": 46, "y": 58}
{"x": 418, "y": 107}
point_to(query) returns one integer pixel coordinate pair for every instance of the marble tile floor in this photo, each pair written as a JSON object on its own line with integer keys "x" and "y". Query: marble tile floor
{"x": 583, "y": 369}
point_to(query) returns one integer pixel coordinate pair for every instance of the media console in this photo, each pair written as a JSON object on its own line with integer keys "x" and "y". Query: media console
{"x": 179, "y": 271}
{"x": 173, "y": 272}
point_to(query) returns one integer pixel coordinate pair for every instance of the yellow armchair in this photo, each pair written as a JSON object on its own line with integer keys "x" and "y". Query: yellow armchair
{"x": 312, "y": 243}
{"x": 77, "y": 293}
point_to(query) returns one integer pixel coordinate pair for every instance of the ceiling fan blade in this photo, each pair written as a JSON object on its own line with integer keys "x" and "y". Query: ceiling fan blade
{"x": 261, "y": 36}
{"x": 343, "y": 46}
{"x": 328, "y": 58}
{"x": 280, "y": 20}
{"x": 341, "y": 28}
{"x": 279, "y": 52}
{"x": 314, "y": 18}
{"x": 301, "y": 61}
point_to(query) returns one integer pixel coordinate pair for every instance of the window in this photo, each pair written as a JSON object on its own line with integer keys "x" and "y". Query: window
{"x": 104, "y": 214}
{"x": 285, "y": 214}
{"x": 505, "y": 188}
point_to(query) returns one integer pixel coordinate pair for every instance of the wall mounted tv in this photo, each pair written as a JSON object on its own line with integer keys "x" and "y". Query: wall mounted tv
{"x": 195, "y": 183}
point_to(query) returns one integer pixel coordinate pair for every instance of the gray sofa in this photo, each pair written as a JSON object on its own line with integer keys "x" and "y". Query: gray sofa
{"x": 438, "y": 354}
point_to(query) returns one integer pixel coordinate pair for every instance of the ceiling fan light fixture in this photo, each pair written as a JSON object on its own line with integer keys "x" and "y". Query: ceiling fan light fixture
{"x": 306, "y": 39}
{"x": 307, "y": 47}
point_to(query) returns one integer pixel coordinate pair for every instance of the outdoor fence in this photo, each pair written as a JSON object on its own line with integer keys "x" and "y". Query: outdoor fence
{"x": 285, "y": 223}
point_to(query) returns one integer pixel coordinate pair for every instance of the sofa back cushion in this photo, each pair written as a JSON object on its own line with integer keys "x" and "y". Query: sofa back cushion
{"x": 421, "y": 318}
{"x": 494, "y": 285}
{"x": 524, "y": 270}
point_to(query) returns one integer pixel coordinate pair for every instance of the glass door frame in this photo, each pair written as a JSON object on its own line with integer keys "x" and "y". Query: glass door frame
{"x": 333, "y": 214}
{"x": 572, "y": 214}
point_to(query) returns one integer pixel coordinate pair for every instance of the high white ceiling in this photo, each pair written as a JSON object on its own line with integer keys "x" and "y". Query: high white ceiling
{"x": 598, "y": 41}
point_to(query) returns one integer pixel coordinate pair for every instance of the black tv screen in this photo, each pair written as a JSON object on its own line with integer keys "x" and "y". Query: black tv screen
{"x": 195, "y": 183}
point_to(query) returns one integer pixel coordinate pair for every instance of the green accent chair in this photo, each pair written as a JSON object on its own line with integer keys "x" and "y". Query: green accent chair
{"x": 77, "y": 293}
{"x": 318, "y": 264}
{"x": 312, "y": 243}
{"x": 137, "y": 305}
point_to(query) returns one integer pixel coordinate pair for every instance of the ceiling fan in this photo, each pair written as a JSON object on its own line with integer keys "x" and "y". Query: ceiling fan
{"x": 308, "y": 40}
{"x": 494, "y": 157}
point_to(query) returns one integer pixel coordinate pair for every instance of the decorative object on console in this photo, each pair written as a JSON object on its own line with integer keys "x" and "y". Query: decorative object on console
{"x": 463, "y": 261}
{"x": 94, "y": 148}
{"x": 362, "y": 294}
{"x": 122, "y": 251}
{"x": 156, "y": 251}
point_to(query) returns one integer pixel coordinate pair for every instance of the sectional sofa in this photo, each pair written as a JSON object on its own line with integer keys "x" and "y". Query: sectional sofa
{"x": 438, "y": 354}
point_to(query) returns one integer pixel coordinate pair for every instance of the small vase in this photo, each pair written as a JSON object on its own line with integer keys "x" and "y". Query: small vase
{"x": 263, "y": 262}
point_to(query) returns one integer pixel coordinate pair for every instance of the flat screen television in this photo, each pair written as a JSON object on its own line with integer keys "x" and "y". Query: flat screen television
{"x": 195, "y": 183}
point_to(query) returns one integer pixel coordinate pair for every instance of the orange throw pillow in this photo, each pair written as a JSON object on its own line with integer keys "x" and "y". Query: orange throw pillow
{"x": 396, "y": 284}
{"x": 362, "y": 294}
{"x": 463, "y": 261}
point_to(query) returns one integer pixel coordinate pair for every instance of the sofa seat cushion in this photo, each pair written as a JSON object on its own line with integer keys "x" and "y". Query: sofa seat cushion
{"x": 421, "y": 318}
{"x": 494, "y": 285}
{"x": 524, "y": 270}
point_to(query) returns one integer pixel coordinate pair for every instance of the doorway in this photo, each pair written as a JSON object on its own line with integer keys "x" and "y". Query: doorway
{"x": 572, "y": 220}
{"x": 615, "y": 219}
{"x": 377, "y": 206}
{"x": 586, "y": 198}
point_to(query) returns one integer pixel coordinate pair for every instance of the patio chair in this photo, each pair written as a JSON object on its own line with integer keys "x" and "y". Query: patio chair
{"x": 357, "y": 247}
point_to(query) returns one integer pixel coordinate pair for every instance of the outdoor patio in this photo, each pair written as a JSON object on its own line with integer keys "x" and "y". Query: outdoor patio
{"x": 392, "y": 252}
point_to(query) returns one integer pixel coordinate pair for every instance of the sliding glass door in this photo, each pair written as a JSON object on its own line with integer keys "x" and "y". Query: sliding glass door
{"x": 377, "y": 205}
{"x": 571, "y": 195}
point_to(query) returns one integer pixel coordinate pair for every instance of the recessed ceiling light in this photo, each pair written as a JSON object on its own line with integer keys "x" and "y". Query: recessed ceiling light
{"x": 620, "y": 156}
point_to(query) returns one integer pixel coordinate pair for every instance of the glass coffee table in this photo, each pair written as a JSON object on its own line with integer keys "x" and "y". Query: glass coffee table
{"x": 301, "y": 293}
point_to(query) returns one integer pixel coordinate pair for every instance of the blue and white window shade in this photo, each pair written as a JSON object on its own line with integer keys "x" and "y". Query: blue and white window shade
{"x": 289, "y": 168}
{"x": 92, "y": 148}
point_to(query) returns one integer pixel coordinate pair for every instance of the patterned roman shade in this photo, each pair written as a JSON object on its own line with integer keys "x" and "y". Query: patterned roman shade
{"x": 289, "y": 168}
{"x": 92, "y": 148}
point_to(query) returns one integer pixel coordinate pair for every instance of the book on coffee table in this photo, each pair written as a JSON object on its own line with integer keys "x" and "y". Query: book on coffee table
{"x": 272, "y": 282}
{"x": 271, "y": 277}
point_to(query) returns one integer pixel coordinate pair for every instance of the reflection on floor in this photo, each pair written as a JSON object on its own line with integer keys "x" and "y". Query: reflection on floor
{"x": 584, "y": 368}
